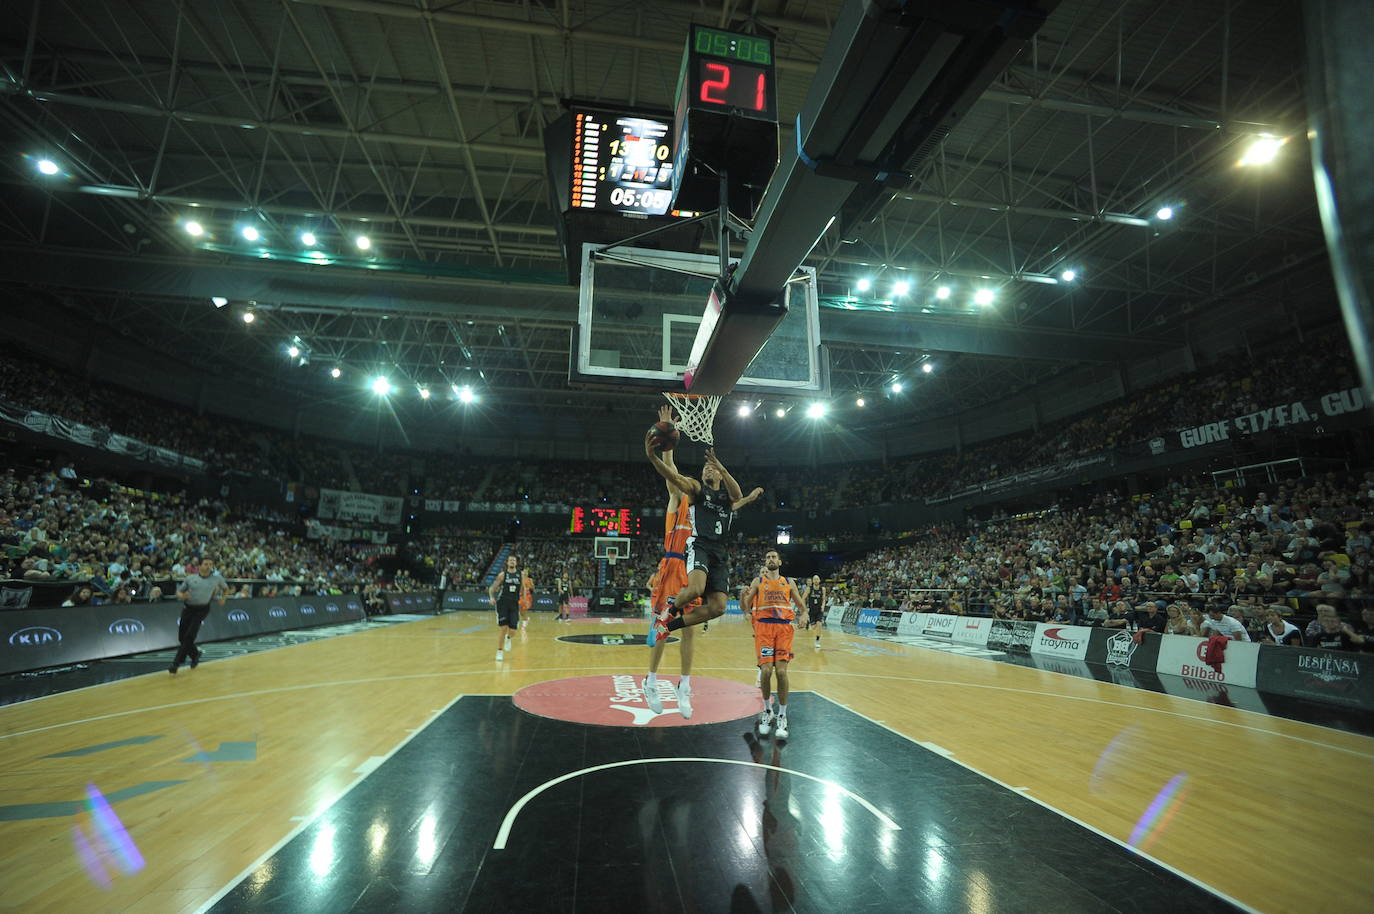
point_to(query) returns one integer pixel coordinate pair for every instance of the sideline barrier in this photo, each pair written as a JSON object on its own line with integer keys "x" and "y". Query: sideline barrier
{"x": 972, "y": 630}
{"x": 1010, "y": 636}
{"x": 421, "y": 601}
{"x": 31, "y": 639}
{"x": 1338, "y": 677}
{"x": 1181, "y": 655}
{"x": 544, "y": 601}
{"x": 1067, "y": 641}
{"x": 1118, "y": 650}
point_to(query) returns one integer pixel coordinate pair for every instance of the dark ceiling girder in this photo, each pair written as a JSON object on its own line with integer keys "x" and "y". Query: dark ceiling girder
{"x": 331, "y": 289}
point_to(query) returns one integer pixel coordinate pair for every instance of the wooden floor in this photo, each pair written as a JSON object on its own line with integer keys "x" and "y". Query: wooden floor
{"x": 1275, "y": 814}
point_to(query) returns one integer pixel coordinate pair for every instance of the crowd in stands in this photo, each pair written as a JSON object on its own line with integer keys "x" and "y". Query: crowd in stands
{"x": 1285, "y": 551}
{"x": 124, "y": 544}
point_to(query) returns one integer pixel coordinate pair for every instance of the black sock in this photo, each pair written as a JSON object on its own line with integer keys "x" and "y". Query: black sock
{"x": 675, "y": 624}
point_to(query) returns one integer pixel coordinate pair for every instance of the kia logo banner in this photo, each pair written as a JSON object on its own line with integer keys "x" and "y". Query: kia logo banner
{"x": 277, "y": 612}
{"x": 35, "y": 636}
{"x": 126, "y": 627}
{"x": 238, "y": 615}
{"x": 334, "y": 607}
{"x": 307, "y": 609}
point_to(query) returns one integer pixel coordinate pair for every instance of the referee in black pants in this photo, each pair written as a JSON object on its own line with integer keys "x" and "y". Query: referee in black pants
{"x": 196, "y": 592}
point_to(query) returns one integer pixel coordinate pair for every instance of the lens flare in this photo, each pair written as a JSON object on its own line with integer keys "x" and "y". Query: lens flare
{"x": 1160, "y": 812}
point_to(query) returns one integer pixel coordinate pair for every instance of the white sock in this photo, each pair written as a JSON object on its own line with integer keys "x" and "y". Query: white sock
{"x": 685, "y": 682}
{"x": 782, "y": 710}
{"x": 651, "y": 680}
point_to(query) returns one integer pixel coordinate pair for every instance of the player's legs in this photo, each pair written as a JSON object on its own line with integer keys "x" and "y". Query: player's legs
{"x": 766, "y": 690}
{"x": 694, "y": 590}
{"x": 780, "y": 667}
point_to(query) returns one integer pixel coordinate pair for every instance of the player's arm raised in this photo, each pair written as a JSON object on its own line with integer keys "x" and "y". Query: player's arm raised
{"x": 683, "y": 484}
{"x": 665, "y": 414}
{"x": 731, "y": 487}
{"x": 746, "y": 500}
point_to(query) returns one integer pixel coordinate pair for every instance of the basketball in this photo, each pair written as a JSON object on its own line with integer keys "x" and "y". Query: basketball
{"x": 665, "y": 435}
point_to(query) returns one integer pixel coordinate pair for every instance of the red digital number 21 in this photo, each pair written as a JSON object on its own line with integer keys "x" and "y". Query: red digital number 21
{"x": 708, "y": 85}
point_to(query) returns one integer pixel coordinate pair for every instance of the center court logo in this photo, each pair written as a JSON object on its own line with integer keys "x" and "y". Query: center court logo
{"x": 35, "y": 636}
{"x": 125, "y": 627}
{"x": 238, "y": 615}
{"x": 618, "y": 701}
{"x": 277, "y": 612}
{"x": 1120, "y": 647}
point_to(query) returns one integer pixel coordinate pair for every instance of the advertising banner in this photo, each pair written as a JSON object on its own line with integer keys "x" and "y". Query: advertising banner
{"x": 888, "y": 620}
{"x": 419, "y": 602}
{"x": 835, "y": 615}
{"x": 1337, "y": 677}
{"x": 868, "y": 618}
{"x": 337, "y": 504}
{"x": 1280, "y": 415}
{"x": 938, "y": 626}
{"x": 1180, "y": 655}
{"x": 850, "y": 615}
{"x": 544, "y": 601}
{"x": 1061, "y": 640}
{"x": 1006, "y": 635}
{"x": 1120, "y": 650}
{"x": 972, "y": 630}
{"x": 911, "y": 624}
{"x": 35, "y": 638}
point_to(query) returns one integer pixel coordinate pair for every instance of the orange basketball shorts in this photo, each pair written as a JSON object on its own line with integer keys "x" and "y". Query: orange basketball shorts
{"x": 773, "y": 641}
{"x": 668, "y": 583}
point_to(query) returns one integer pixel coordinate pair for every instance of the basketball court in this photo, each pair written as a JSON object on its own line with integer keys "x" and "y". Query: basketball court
{"x": 399, "y": 768}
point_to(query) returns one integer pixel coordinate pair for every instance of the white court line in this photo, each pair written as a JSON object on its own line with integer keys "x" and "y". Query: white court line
{"x": 372, "y": 764}
{"x": 509, "y": 821}
{"x": 1022, "y": 791}
{"x": 307, "y": 821}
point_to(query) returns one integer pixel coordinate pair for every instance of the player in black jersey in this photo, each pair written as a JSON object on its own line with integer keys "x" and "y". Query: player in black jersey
{"x": 714, "y": 500}
{"x": 564, "y": 588}
{"x": 815, "y": 595}
{"x": 505, "y": 596}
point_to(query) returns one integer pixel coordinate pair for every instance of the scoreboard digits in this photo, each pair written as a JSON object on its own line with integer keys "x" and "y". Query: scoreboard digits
{"x": 621, "y": 164}
{"x": 604, "y": 521}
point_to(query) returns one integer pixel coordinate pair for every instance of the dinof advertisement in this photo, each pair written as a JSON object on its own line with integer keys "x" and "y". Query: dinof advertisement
{"x": 1180, "y": 655}
{"x": 1061, "y": 640}
{"x": 1338, "y": 677}
{"x": 938, "y": 626}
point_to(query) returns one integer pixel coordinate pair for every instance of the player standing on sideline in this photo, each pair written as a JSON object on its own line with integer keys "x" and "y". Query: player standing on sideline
{"x": 526, "y": 598}
{"x": 668, "y": 580}
{"x": 196, "y": 592}
{"x": 564, "y": 588}
{"x": 815, "y": 597}
{"x": 773, "y": 598}
{"x": 504, "y": 594}
{"x": 712, "y": 505}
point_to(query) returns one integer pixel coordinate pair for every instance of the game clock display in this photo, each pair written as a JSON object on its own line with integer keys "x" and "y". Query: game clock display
{"x": 604, "y": 521}
{"x": 621, "y": 164}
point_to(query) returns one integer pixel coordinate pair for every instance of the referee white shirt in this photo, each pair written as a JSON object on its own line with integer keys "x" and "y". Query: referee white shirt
{"x": 200, "y": 589}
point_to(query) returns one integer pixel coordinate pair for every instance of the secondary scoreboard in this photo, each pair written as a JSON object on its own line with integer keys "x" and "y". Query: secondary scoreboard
{"x": 621, "y": 163}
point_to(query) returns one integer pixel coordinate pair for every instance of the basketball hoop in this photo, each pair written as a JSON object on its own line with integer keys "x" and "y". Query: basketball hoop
{"x": 695, "y": 414}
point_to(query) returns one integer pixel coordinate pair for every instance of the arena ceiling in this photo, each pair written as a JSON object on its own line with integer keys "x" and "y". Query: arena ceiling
{"x": 420, "y": 124}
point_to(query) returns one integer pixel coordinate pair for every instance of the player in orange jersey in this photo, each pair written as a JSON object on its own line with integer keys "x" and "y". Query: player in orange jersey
{"x": 775, "y": 600}
{"x": 670, "y": 578}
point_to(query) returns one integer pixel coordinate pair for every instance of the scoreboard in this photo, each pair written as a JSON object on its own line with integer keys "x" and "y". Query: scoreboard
{"x": 603, "y": 521}
{"x": 621, "y": 163}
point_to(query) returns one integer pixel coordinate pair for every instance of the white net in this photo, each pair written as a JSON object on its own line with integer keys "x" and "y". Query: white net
{"x": 696, "y": 413}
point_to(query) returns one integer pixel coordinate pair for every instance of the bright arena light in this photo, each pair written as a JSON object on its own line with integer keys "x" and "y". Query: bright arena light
{"x": 1069, "y": 275}
{"x": 335, "y": 372}
{"x": 249, "y": 233}
{"x": 864, "y": 284}
{"x": 381, "y": 386}
{"x": 293, "y": 351}
{"x": 927, "y": 368}
{"x": 859, "y": 402}
{"x": 249, "y": 317}
{"x": 1261, "y": 152}
{"x": 779, "y": 412}
{"x": 363, "y": 242}
{"x": 901, "y": 288}
{"x": 983, "y": 297}
{"x": 1164, "y": 213}
{"x": 743, "y": 410}
{"x": 942, "y": 293}
{"x": 815, "y": 410}
{"x": 424, "y": 393}
{"x": 194, "y": 229}
{"x": 466, "y": 395}
{"x": 896, "y": 387}
{"x": 219, "y": 301}
{"x": 47, "y": 166}
{"x": 308, "y": 239}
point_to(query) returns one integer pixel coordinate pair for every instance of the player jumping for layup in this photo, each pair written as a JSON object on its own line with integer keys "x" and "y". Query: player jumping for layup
{"x": 712, "y": 503}
{"x": 667, "y": 582}
{"x": 773, "y": 598}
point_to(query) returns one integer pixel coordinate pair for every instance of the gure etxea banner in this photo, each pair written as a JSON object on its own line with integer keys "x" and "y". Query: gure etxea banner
{"x": 1300, "y": 412}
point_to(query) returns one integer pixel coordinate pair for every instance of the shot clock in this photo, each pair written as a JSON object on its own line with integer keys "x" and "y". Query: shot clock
{"x": 726, "y": 119}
